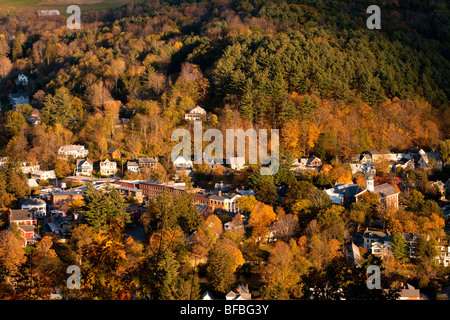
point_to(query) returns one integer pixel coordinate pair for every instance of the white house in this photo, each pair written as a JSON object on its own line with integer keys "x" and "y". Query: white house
{"x": 38, "y": 205}
{"x": 3, "y": 161}
{"x": 377, "y": 242}
{"x": 443, "y": 257}
{"x": 227, "y": 202}
{"x": 47, "y": 13}
{"x": 75, "y": 151}
{"x": 133, "y": 166}
{"x": 196, "y": 114}
{"x": 306, "y": 163}
{"x": 366, "y": 168}
{"x": 108, "y": 168}
{"x": 43, "y": 175}
{"x": 181, "y": 162}
{"x": 84, "y": 167}
{"x": 22, "y": 80}
{"x": 207, "y": 296}
{"x": 232, "y": 226}
{"x": 236, "y": 163}
{"x": 29, "y": 167}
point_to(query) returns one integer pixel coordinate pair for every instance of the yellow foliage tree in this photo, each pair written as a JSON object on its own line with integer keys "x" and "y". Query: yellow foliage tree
{"x": 261, "y": 217}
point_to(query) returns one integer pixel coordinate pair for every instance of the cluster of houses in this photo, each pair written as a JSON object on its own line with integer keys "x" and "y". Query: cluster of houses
{"x": 310, "y": 163}
{"x": 26, "y": 219}
{"x": 347, "y": 193}
{"x": 221, "y": 199}
{"x": 365, "y": 162}
{"x": 20, "y": 97}
{"x": 413, "y": 158}
{"x": 379, "y": 243}
{"x": 239, "y": 292}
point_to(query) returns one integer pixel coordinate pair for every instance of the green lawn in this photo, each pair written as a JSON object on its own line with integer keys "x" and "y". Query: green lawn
{"x": 25, "y": 5}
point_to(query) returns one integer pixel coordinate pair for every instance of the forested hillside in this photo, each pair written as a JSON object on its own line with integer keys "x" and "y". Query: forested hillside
{"x": 310, "y": 68}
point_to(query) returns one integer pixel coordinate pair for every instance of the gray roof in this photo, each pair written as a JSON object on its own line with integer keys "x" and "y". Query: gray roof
{"x": 349, "y": 189}
{"x": 60, "y": 219}
{"x": 26, "y": 228}
{"x": 409, "y": 291}
{"x": 217, "y": 197}
{"x": 25, "y": 214}
{"x": 374, "y": 234}
{"x": 66, "y": 193}
{"x": 385, "y": 190}
{"x": 33, "y": 202}
{"x": 410, "y": 236}
{"x": 147, "y": 160}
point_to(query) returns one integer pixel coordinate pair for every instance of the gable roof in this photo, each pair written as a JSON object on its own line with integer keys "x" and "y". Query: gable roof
{"x": 26, "y": 228}
{"x": 375, "y": 235}
{"x": 197, "y": 110}
{"x": 311, "y": 159}
{"x": 385, "y": 190}
{"x": 408, "y": 291}
{"x": 21, "y": 214}
{"x": 241, "y": 292}
{"x": 107, "y": 162}
{"x": 147, "y": 160}
{"x": 81, "y": 162}
{"x": 72, "y": 147}
{"x": 60, "y": 219}
{"x": 207, "y": 296}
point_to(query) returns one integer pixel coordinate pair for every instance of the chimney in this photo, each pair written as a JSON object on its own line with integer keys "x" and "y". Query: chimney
{"x": 219, "y": 193}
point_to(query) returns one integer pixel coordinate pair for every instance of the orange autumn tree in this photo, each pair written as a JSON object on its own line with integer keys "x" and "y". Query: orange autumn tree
{"x": 261, "y": 217}
{"x": 333, "y": 249}
{"x": 341, "y": 174}
{"x": 104, "y": 268}
{"x": 207, "y": 235}
{"x": 223, "y": 261}
{"x": 290, "y": 137}
{"x": 164, "y": 240}
{"x": 11, "y": 253}
{"x": 281, "y": 275}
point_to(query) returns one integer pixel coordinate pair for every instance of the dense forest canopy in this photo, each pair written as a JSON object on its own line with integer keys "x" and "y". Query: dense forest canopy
{"x": 310, "y": 68}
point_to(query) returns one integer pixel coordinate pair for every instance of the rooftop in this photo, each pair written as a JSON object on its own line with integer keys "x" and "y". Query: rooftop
{"x": 18, "y": 215}
{"x": 33, "y": 202}
{"x": 385, "y": 190}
